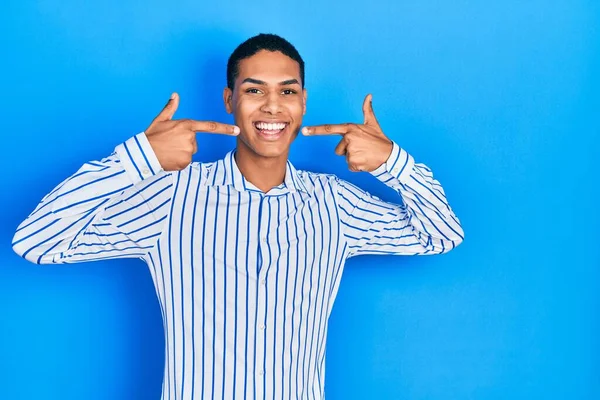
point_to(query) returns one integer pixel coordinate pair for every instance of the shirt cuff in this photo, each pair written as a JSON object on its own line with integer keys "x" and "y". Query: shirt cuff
{"x": 398, "y": 166}
{"x": 138, "y": 158}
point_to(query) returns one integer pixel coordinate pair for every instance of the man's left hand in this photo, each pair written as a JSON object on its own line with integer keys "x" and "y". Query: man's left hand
{"x": 365, "y": 145}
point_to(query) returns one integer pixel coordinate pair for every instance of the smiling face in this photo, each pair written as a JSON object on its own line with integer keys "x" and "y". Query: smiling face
{"x": 267, "y": 103}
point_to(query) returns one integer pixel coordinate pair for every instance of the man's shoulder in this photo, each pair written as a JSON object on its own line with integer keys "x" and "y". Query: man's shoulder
{"x": 315, "y": 180}
{"x": 306, "y": 174}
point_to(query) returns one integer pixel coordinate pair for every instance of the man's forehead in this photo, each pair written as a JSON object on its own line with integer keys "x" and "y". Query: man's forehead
{"x": 269, "y": 67}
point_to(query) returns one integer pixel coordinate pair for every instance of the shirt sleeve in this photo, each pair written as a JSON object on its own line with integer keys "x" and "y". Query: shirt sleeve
{"x": 112, "y": 208}
{"x": 421, "y": 223}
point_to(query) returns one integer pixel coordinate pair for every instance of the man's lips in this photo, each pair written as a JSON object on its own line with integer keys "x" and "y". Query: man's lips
{"x": 270, "y": 130}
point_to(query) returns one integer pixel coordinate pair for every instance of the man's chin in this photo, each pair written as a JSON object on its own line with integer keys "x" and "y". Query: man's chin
{"x": 271, "y": 153}
{"x": 265, "y": 150}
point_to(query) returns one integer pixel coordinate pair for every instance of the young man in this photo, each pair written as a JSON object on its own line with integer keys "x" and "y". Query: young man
{"x": 246, "y": 253}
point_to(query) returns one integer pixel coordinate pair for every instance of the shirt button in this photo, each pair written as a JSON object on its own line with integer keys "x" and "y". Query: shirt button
{"x": 261, "y": 373}
{"x": 396, "y": 171}
{"x": 262, "y": 327}
{"x": 145, "y": 171}
{"x": 264, "y": 240}
{"x": 263, "y": 282}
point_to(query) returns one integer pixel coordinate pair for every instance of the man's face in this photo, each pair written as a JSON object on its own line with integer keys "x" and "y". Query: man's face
{"x": 268, "y": 103}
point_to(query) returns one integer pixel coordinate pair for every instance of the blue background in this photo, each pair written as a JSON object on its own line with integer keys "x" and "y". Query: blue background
{"x": 500, "y": 99}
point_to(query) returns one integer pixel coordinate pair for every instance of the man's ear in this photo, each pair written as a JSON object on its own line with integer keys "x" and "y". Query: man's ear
{"x": 227, "y": 95}
{"x": 304, "y": 101}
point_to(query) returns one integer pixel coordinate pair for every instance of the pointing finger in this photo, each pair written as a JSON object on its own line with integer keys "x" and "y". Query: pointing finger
{"x": 339, "y": 129}
{"x": 214, "y": 127}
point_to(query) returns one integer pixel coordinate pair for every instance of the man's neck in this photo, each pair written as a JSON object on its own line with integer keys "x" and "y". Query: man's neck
{"x": 263, "y": 172}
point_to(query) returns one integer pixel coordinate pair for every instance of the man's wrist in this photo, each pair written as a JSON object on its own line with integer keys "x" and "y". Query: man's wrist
{"x": 399, "y": 165}
{"x": 138, "y": 158}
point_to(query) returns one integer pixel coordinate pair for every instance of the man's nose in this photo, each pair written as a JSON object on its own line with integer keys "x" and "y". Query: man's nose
{"x": 272, "y": 104}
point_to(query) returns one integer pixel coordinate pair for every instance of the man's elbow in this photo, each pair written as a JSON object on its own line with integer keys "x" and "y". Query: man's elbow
{"x": 452, "y": 242}
{"x": 23, "y": 249}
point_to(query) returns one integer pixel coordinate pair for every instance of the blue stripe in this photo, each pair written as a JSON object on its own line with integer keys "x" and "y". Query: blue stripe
{"x": 104, "y": 234}
{"x": 140, "y": 190}
{"x": 161, "y": 299}
{"x": 225, "y": 291}
{"x": 133, "y": 161}
{"x": 430, "y": 221}
{"x": 73, "y": 177}
{"x": 149, "y": 212}
{"x": 91, "y": 199}
{"x": 132, "y": 208}
{"x": 214, "y": 297}
{"x": 128, "y": 255}
{"x": 295, "y": 296}
{"x": 361, "y": 197}
{"x": 192, "y": 268}
{"x": 91, "y": 253}
{"x": 403, "y": 166}
{"x": 396, "y": 160}
{"x": 15, "y": 242}
{"x": 247, "y": 295}
{"x": 266, "y": 321}
{"x": 182, "y": 269}
{"x": 353, "y": 227}
{"x": 143, "y": 154}
{"x": 370, "y": 250}
{"x": 259, "y": 262}
{"x": 355, "y": 217}
{"x": 285, "y": 267}
{"x": 146, "y": 226}
{"x": 235, "y": 319}
{"x": 360, "y": 208}
{"x": 32, "y": 222}
{"x": 167, "y": 341}
{"x": 86, "y": 184}
{"x": 170, "y": 251}
{"x": 100, "y": 244}
{"x": 203, "y": 267}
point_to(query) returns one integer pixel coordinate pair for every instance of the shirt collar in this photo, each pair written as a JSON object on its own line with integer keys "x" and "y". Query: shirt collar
{"x": 225, "y": 172}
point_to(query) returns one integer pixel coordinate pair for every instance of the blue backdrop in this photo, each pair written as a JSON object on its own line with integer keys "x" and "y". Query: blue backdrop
{"x": 500, "y": 99}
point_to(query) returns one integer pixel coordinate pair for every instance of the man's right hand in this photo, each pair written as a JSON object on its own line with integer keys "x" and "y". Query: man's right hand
{"x": 174, "y": 141}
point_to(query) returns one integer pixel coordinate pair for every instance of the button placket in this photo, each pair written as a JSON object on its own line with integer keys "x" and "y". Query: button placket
{"x": 261, "y": 328}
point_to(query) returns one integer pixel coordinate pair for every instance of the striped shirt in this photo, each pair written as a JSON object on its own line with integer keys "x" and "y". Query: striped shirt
{"x": 246, "y": 280}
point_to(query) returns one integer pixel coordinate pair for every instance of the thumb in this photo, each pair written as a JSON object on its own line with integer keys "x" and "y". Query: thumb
{"x": 170, "y": 109}
{"x": 368, "y": 112}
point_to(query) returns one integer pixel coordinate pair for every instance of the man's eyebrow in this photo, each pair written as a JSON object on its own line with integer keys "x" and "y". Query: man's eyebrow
{"x": 289, "y": 82}
{"x": 259, "y": 82}
{"x": 254, "y": 81}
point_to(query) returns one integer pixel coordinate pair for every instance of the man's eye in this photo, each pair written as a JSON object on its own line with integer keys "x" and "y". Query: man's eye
{"x": 252, "y": 90}
{"x": 289, "y": 91}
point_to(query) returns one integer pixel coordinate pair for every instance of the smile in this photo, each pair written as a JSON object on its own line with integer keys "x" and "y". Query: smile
{"x": 270, "y": 130}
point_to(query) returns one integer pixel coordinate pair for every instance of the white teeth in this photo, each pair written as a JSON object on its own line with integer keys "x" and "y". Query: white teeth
{"x": 270, "y": 127}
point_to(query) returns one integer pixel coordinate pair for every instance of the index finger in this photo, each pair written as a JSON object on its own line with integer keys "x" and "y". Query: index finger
{"x": 336, "y": 129}
{"x": 214, "y": 127}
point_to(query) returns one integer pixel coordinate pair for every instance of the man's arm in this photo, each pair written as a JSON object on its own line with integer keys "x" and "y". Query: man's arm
{"x": 116, "y": 207}
{"x": 110, "y": 208}
{"x": 423, "y": 222}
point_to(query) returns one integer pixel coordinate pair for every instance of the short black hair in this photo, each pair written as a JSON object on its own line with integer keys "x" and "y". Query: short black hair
{"x": 263, "y": 41}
